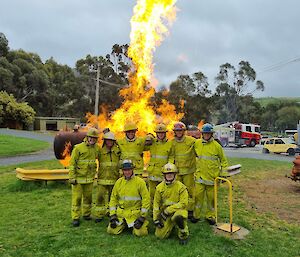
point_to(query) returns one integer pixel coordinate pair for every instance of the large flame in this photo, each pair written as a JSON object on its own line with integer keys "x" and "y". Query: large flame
{"x": 148, "y": 28}
{"x": 66, "y": 154}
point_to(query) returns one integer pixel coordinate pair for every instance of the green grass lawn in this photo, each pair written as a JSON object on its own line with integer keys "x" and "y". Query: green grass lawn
{"x": 11, "y": 145}
{"x": 264, "y": 101}
{"x": 35, "y": 221}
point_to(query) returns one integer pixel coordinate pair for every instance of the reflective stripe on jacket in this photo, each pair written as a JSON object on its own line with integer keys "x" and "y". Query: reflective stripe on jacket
{"x": 160, "y": 154}
{"x": 184, "y": 153}
{"x": 83, "y": 164}
{"x": 170, "y": 198}
{"x": 129, "y": 199}
{"x": 133, "y": 150}
{"x": 108, "y": 171}
{"x": 210, "y": 161}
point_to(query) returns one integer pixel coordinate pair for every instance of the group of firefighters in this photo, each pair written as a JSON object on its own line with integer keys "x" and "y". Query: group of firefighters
{"x": 180, "y": 180}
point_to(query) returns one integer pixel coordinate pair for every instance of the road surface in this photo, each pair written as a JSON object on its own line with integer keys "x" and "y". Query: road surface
{"x": 43, "y": 155}
{"x": 48, "y": 154}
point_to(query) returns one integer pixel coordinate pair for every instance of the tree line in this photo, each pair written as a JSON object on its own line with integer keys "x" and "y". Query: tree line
{"x": 53, "y": 89}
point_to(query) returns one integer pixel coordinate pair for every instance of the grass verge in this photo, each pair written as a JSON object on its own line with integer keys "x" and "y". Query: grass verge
{"x": 35, "y": 221}
{"x": 11, "y": 145}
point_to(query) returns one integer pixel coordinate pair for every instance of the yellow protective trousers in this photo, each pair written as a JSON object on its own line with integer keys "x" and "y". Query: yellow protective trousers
{"x": 81, "y": 193}
{"x": 189, "y": 181}
{"x": 204, "y": 195}
{"x": 102, "y": 200}
{"x": 143, "y": 231}
{"x": 169, "y": 224}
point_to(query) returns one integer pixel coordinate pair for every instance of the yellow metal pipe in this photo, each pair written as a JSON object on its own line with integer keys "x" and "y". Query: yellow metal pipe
{"x": 230, "y": 199}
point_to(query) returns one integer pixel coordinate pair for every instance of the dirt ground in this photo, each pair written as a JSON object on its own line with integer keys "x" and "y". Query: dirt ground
{"x": 278, "y": 195}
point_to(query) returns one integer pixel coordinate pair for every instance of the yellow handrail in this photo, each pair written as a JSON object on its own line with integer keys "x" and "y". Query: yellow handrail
{"x": 230, "y": 199}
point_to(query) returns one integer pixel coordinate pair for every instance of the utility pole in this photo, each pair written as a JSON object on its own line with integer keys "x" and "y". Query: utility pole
{"x": 96, "y": 112}
{"x": 298, "y": 131}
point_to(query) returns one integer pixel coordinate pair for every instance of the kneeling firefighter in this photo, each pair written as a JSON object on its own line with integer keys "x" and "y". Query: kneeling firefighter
{"x": 170, "y": 206}
{"x": 129, "y": 203}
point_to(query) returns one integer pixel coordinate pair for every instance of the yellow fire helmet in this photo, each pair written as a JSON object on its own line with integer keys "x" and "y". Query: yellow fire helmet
{"x": 161, "y": 128}
{"x": 109, "y": 135}
{"x": 92, "y": 132}
{"x": 130, "y": 126}
{"x": 169, "y": 168}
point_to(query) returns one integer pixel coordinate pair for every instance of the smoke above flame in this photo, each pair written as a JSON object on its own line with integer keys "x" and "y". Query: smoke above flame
{"x": 149, "y": 26}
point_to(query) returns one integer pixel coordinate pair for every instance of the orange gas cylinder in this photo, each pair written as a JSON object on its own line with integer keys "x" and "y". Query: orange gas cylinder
{"x": 296, "y": 168}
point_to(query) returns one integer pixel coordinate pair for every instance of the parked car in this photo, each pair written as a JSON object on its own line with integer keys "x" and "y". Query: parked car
{"x": 280, "y": 145}
{"x": 264, "y": 138}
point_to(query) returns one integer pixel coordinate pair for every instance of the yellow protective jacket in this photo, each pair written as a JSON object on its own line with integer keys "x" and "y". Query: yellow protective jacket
{"x": 83, "y": 166}
{"x": 133, "y": 150}
{"x": 160, "y": 154}
{"x": 210, "y": 161}
{"x": 170, "y": 198}
{"x": 129, "y": 199}
{"x": 184, "y": 153}
{"x": 108, "y": 171}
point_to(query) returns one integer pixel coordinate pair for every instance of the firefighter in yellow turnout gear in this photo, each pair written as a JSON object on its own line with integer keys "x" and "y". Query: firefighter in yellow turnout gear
{"x": 82, "y": 171}
{"x": 132, "y": 147}
{"x": 210, "y": 162}
{"x": 129, "y": 203}
{"x": 108, "y": 173}
{"x": 160, "y": 154}
{"x": 170, "y": 206}
{"x": 185, "y": 161}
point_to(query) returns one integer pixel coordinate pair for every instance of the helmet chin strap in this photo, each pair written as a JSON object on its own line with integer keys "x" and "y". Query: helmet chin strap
{"x": 129, "y": 177}
{"x": 209, "y": 139}
{"x": 130, "y": 140}
{"x": 179, "y": 139}
{"x": 168, "y": 182}
{"x": 90, "y": 141}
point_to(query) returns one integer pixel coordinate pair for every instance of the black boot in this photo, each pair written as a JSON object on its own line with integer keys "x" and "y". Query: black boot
{"x": 97, "y": 220}
{"x": 87, "y": 217}
{"x": 191, "y": 217}
{"x": 211, "y": 221}
{"x": 183, "y": 241}
{"x": 76, "y": 223}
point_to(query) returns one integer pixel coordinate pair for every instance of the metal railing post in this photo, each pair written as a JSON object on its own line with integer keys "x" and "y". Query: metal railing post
{"x": 230, "y": 200}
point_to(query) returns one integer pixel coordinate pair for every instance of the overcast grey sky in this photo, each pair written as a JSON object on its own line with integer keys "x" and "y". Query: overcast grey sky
{"x": 206, "y": 34}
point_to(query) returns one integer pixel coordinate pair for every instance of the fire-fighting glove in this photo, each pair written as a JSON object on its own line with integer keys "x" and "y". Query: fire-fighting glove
{"x": 149, "y": 139}
{"x": 158, "y": 224}
{"x": 138, "y": 223}
{"x": 113, "y": 220}
{"x": 73, "y": 181}
{"x": 164, "y": 215}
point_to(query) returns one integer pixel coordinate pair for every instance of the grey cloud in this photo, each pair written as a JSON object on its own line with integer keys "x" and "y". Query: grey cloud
{"x": 208, "y": 33}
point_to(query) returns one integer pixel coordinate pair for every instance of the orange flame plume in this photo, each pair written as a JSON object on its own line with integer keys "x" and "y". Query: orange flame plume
{"x": 148, "y": 28}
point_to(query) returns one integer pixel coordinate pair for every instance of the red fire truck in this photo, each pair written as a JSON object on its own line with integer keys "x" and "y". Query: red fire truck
{"x": 247, "y": 134}
{"x": 244, "y": 134}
